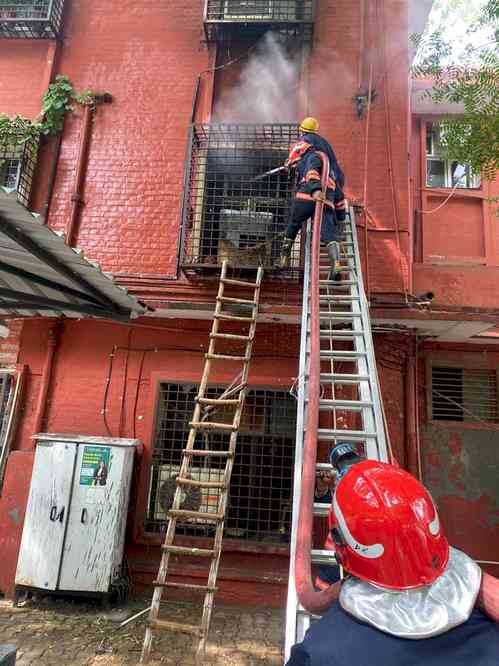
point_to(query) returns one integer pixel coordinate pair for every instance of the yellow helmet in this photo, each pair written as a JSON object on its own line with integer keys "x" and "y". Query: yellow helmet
{"x": 309, "y": 125}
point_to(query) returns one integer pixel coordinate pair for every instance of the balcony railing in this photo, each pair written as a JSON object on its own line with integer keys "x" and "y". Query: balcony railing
{"x": 232, "y": 20}
{"x": 227, "y": 214}
{"x": 35, "y": 19}
{"x": 17, "y": 168}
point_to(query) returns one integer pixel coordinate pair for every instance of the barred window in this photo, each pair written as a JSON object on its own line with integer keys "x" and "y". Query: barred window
{"x": 259, "y": 506}
{"x": 7, "y": 383}
{"x": 17, "y": 168}
{"x": 463, "y": 394}
{"x": 30, "y": 19}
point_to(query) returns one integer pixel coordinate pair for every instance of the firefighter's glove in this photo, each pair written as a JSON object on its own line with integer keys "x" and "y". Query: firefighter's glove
{"x": 318, "y": 196}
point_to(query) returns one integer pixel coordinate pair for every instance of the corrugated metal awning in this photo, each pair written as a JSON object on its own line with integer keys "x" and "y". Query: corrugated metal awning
{"x": 40, "y": 276}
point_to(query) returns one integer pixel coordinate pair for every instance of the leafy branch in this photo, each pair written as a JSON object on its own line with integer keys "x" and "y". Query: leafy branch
{"x": 58, "y": 100}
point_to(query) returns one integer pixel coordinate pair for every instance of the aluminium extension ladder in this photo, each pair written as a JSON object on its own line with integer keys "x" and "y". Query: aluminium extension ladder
{"x": 349, "y": 390}
{"x": 201, "y": 425}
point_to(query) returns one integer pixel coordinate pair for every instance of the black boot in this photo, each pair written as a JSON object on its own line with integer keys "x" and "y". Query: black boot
{"x": 285, "y": 258}
{"x": 333, "y": 252}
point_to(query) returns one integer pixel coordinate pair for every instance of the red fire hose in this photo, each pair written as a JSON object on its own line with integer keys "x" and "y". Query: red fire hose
{"x": 311, "y": 600}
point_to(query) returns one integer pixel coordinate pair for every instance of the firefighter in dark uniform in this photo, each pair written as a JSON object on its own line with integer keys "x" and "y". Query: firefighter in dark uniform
{"x": 409, "y": 599}
{"x": 305, "y": 159}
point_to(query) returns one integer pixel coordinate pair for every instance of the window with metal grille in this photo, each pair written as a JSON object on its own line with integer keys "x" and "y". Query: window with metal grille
{"x": 246, "y": 19}
{"x": 31, "y": 19}
{"x": 441, "y": 172}
{"x": 260, "y": 490}
{"x": 17, "y": 168}
{"x": 229, "y": 213}
{"x": 463, "y": 394}
{"x": 6, "y": 405}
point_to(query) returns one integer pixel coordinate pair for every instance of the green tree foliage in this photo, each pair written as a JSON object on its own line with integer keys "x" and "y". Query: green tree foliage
{"x": 471, "y": 81}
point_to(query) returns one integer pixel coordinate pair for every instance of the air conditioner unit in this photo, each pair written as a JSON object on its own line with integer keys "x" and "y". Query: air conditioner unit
{"x": 245, "y": 228}
{"x": 209, "y": 496}
{"x": 248, "y": 10}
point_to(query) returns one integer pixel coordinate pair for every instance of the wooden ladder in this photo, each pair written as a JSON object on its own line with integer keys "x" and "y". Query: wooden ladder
{"x": 202, "y": 426}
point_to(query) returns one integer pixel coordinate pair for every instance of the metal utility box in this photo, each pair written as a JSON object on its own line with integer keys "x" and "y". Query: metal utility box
{"x": 74, "y": 528}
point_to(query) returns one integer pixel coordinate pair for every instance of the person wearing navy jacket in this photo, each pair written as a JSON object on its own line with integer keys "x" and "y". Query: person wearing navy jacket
{"x": 408, "y": 598}
{"x": 305, "y": 159}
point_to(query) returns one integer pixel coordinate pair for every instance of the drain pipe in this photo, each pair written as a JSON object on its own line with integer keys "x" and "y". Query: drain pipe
{"x": 410, "y": 413}
{"x": 77, "y": 201}
{"x": 41, "y": 405}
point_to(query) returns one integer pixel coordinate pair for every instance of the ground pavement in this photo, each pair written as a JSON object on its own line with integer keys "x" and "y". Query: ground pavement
{"x": 61, "y": 633}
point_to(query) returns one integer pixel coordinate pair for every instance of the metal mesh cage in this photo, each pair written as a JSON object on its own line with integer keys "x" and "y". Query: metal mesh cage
{"x": 260, "y": 489}
{"x": 31, "y": 19}
{"x": 242, "y": 19}
{"x": 17, "y": 168}
{"x": 227, "y": 213}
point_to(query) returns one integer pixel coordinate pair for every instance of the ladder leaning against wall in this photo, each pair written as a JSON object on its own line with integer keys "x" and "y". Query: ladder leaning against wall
{"x": 338, "y": 400}
{"x": 232, "y": 403}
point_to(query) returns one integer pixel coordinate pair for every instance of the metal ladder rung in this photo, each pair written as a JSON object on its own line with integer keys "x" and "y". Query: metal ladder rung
{"x": 185, "y": 586}
{"x": 184, "y": 550}
{"x": 339, "y": 377}
{"x": 321, "y": 510}
{"x": 347, "y": 405}
{"x": 201, "y": 484}
{"x": 167, "y": 625}
{"x": 338, "y": 298}
{"x": 335, "y": 335}
{"x": 340, "y": 355}
{"x": 230, "y": 336}
{"x": 338, "y": 283}
{"x": 240, "y": 283}
{"x": 218, "y": 401}
{"x": 355, "y": 435}
{"x": 323, "y": 557}
{"x": 201, "y": 515}
{"x": 212, "y": 425}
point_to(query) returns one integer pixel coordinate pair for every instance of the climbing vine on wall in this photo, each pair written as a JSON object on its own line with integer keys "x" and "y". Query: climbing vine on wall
{"x": 58, "y": 100}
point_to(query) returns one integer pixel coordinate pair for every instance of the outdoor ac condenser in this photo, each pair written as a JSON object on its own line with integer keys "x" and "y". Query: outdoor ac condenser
{"x": 74, "y": 529}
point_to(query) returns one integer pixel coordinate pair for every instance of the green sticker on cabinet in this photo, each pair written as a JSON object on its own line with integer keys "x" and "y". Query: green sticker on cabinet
{"x": 95, "y": 466}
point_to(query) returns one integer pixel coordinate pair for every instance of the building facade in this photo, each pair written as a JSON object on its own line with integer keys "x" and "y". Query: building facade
{"x": 158, "y": 187}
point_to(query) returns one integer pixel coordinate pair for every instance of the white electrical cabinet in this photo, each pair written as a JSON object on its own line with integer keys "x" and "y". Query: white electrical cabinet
{"x": 74, "y": 529}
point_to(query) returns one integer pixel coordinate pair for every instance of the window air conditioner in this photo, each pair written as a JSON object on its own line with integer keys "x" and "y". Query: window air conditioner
{"x": 244, "y": 228}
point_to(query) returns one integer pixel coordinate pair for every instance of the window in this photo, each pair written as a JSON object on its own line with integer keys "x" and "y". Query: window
{"x": 463, "y": 394}
{"x": 30, "y": 19}
{"x": 7, "y": 399}
{"x": 231, "y": 213}
{"x": 17, "y": 168}
{"x": 260, "y": 493}
{"x": 445, "y": 173}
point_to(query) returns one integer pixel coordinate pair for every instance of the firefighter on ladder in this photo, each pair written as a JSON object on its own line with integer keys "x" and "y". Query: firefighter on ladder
{"x": 304, "y": 158}
{"x": 408, "y": 598}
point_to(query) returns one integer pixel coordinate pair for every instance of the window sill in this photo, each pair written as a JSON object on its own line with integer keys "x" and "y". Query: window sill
{"x": 229, "y": 545}
{"x": 452, "y": 425}
{"x": 475, "y": 193}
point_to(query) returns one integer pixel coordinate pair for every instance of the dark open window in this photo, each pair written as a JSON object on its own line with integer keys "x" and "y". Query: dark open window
{"x": 31, "y": 19}
{"x": 260, "y": 489}
{"x": 228, "y": 214}
{"x": 464, "y": 394}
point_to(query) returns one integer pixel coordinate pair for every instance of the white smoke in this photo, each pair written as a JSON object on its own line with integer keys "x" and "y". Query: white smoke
{"x": 267, "y": 90}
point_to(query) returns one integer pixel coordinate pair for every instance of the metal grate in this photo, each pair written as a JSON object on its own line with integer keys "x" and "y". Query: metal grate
{"x": 6, "y": 400}
{"x": 35, "y": 19}
{"x": 260, "y": 489}
{"x": 462, "y": 394}
{"x": 227, "y": 213}
{"x": 248, "y": 19}
{"x": 17, "y": 168}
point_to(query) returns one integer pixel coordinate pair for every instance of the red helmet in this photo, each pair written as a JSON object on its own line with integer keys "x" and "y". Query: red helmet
{"x": 386, "y": 527}
{"x": 297, "y": 152}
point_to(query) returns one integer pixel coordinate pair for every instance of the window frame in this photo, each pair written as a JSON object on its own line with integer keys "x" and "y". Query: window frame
{"x": 18, "y": 373}
{"x": 465, "y": 362}
{"x": 449, "y": 165}
{"x": 143, "y": 537}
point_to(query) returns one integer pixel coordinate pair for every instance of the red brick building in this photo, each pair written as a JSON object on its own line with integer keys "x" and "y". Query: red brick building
{"x": 196, "y": 98}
